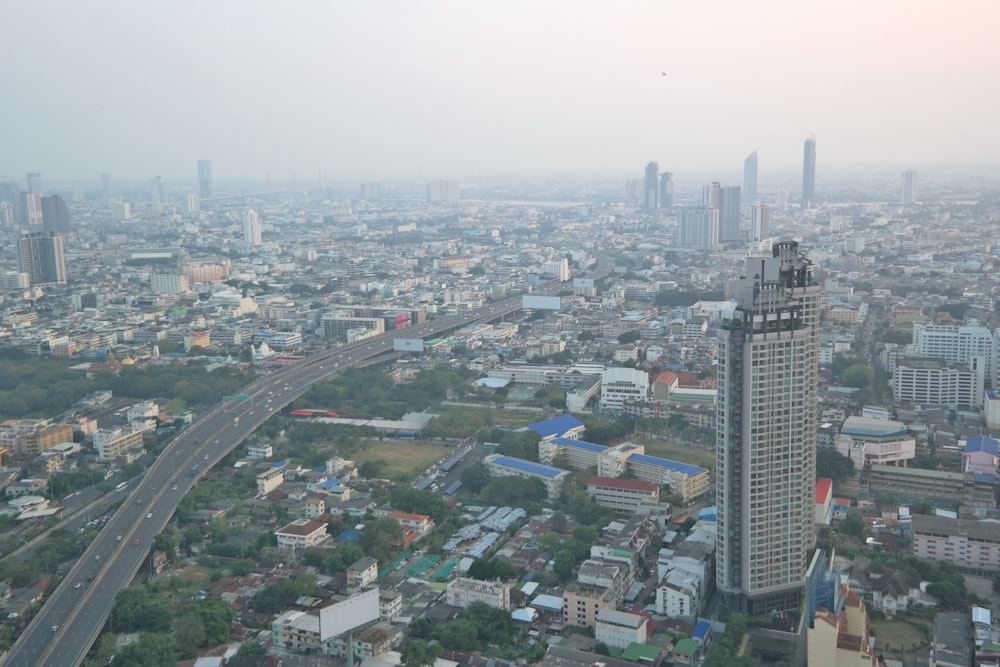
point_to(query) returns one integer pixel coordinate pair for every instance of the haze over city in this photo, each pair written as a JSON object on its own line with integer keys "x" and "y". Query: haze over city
{"x": 472, "y": 90}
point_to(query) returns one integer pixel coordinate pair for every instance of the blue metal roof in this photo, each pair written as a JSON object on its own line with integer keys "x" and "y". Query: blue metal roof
{"x": 982, "y": 443}
{"x": 330, "y": 482}
{"x": 528, "y": 466}
{"x": 684, "y": 468}
{"x": 579, "y": 444}
{"x": 556, "y": 426}
{"x": 351, "y": 535}
{"x": 701, "y": 630}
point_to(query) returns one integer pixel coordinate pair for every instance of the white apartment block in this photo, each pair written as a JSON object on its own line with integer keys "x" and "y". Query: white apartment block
{"x": 464, "y": 591}
{"x": 958, "y": 344}
{"x": 169, "y": 283}
{"x": 301, "y": 533}
{"x": 619, "y": 628}
{"x": 623, "y": 384}
{"x": 934, "y": 381}
{"x": 111, "y": 443}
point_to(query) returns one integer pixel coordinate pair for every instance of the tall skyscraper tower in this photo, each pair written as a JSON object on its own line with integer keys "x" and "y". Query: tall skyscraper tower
{"x": 729, "y": 213}
{"x": 55, "y": 215}
{"x": 36, "y": 185}
{"x": 760, "y": 216}
{"x": 666, "y": 190}
{"x": 711, "y": 195}
{"x": 908, "y": 195}
{"x": 809, "y": 174}
{"x": 205, "y": 178}
{"x": 30, "y": 209}
{"x": 41, "y": 256}
{"x": 106, "y": 186}
{"x": 650, "y": 188}
{"x": 750, "y": 178}
{"x": 768, "y": 362}
{"x": 252, "y": 229}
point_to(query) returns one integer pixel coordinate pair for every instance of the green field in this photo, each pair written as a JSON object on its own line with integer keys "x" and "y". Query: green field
{"x": 681, "y": 453}
{"x": 896, "y": 635}
{"x": 401, "y": 458}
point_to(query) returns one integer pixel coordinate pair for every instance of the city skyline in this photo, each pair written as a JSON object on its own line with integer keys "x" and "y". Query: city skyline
{"x": 419, "y": 92}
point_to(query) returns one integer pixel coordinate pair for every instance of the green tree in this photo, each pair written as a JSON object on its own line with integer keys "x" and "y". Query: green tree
{"x": 140, "y": 609}
{"x": 475, "y": 477}
{"x": 559, "y": 521}
{"x": 832, "y": 464}
{"x": 420, "y": 654}
{"x": 564, "y": 565}
{"x": 377, "y": 537}
{"x": 152, "y": 650}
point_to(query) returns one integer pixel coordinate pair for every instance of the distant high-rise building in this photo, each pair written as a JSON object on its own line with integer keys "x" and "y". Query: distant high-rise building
{"x": 729, "y": 214}
{"x": 768, "y": 364}
{"x": 760, "y": 215}
{"x": 35, "y": 184}
{"x": 78, "y": 193}
{"x": 30, "y": 209}
{"x": 252, "y": 229}
{"x": 158, "y": 191}
{"x": 192, "y": 204}
{"x": 711, "y": 195}
{"x": 41, "y": 256}
{"x": 443, "y": 191}
{"x": 205, "y": 178}
{"x": 666, "y": 190}
{"x": 106, "y": 186}
{"x": 698, "y": 227}
{"x": 120, "y": 210}
{"x": 7, "y": 216}
{"x": 750, "y": 178}
{"x": 633, "y": 191}
{"x": 55, "y": 215}
{"x": 909, "y": 191}
{"x": 650, "y": 188}
{"x": 809, "y": 174}
{"x": 370, "y": 191}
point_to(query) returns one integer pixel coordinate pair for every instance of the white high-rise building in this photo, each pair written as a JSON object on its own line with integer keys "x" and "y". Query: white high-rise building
{"x": 192, "y": 204}
{"x": 760, "y": 216}
{"x": 768, "y": 362}
{"x": 698, "y": 228}
{"x": 120, "y": 210}
{"x": 958, "y": 344}
{"x": 252, "y": 229}
{"x": 621, "y": 385}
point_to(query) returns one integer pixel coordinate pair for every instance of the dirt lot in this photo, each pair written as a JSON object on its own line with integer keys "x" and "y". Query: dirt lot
{"x": 666, "y": 449}
{"x": 896, "y": 635}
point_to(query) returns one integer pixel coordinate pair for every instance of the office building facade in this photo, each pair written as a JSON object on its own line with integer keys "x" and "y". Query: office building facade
{"x": 809, "y": 174}
{"x": 766, "y": 434}
{"x": 41, "y": 256}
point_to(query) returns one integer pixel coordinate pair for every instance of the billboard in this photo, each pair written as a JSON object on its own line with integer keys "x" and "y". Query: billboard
{"x": 408, "y": 344}
{"x": 342, "y": 617}
{"x": 541, "y": 302}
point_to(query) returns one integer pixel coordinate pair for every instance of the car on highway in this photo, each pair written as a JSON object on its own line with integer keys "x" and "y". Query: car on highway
{"x": 118, "y": 539}
{"x": 137, "y": 542}
{"x": 78, "y": 584}
{"x": 149, "y": 516}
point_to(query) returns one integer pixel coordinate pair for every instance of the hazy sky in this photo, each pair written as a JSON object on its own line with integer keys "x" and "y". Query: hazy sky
{"x": 467, "y": 89}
